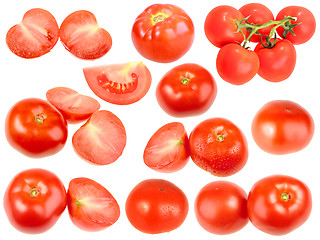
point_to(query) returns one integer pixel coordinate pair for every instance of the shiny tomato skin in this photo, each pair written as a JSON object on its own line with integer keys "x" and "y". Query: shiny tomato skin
{"x": 279, "y": 204}
{"x": 221, "y": 207}
{"x": 219, "y": 147}
{"x": 163, "y": 33}
{"x": 190, "y": 98}
{"x": 237, "y": 65}
{"x": 37, "y": 213}
{"x": 282, "y": 127}
{"x": 31, "y": 138}
{"x": 156, "y": 206}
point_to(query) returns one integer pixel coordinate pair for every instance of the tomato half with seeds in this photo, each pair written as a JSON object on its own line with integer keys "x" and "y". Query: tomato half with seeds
{"x": 120, "y": 84}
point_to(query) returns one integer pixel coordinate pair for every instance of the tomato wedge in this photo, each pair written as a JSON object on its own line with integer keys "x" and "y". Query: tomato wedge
{"x": 121, "y": 84}
{"x": 101, "y": 139}
{"x": 74, "y": 106}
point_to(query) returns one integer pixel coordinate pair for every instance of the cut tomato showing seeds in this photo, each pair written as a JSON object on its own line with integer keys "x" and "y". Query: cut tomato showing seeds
{"x": 121, "y": 84}
{"x": 101, "y": 139}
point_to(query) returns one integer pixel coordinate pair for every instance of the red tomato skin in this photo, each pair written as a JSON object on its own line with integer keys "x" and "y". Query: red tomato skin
{"x": 156, "y": 206}
{"x": 237, "y": 65}
{"x": 163, "y": 41}
{"x": 35, "y": 140}
{"x": 305, "y": 30}
{"x": 277, "y": 63}
{"x": 221, "y": 158}
{"x": 34, "y": 215}
{"x": 221, "y": 208}
{"x": 185, "y": 100}
{"x": 269, "y": 213}
{"x": 219, "y": 27}
{"x": 282, "y": 127}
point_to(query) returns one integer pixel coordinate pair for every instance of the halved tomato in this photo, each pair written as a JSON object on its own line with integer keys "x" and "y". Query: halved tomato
{"x": 121, "y": 84}
{"x": 74, "y": 106}
{"x": 168, "y": 148}
{"x": 91, "y": 206}
{"x": 101, "y": 139}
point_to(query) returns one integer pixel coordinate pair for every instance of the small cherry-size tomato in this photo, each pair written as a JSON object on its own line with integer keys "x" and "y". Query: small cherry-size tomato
{"x": 218, "y": 146}
{"x": 237, "y": 65}
{"x": 186, "y": 90}
{"x": 221, "y": 207}
{"x": 282, "y": 127}
{"x": 220, "y": 27}
{"x": 279, "y": 204}
{"x": 277, "y": 63}
{"x": 168, "y": 148}
{"x": 36, "y": 128}
{"x": 156, "y": 206}
{"x": 304, "y": 31}
{"x": 163, "y": 33}
{"x": 34, "y": 200}
{"x": 91, "y": 206}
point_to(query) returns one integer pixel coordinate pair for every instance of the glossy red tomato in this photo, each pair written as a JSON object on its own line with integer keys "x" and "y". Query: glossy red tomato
{"x": 277, "y": 63}
{"x": 156, "y": 206}
{"x": 279, "y": 204}
{"x": 186, "y": 90}
{"x": 237, "y": 65}
{"x": 168, "y": 148}
{"x": 34, "y": 200}
{"x": 282, "y": 127}
{"x": 221, "y": 207}
{"x": 219, "y": 147}
{"x": 220, "y": 27}
{"x": 91, "y": 206}
{"x": 305, "y": 30}
{"x": 163, "y": 33}
{"x": 36, "y": 128}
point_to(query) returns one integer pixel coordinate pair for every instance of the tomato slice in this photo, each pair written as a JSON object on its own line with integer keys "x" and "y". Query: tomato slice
{"x": 101, "y": 139}
{"x": 82, "y": 36}
{"x": 121, "y": 84}
{"x": 91, "y": 206}
{"x": 168, "y": 148}
{"x": 74, "y": 106}
{"x": 35, "y": 35}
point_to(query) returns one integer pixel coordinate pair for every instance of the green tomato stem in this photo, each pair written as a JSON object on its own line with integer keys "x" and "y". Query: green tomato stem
{"x": 285, "y": 197}
{"x": 34, "y": 192}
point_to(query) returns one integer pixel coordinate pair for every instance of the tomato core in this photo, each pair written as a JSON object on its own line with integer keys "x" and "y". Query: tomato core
{"x": 39, "y": 118}
{"x": 116, "y": 87}
{"x": 285, "y": 197}
{"x": 34, "y": 192}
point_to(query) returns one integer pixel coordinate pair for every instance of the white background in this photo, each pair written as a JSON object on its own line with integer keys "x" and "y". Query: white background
{"x": 23, "y": 78}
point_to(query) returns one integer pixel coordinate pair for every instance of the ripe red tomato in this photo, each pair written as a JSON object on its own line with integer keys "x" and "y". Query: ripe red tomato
{"x": 35, "y": 35}
{"x": 220, "y": 27}
{"x": 237, "y": 65}
{"x": 156, "y": 206}
{"x": 163, "y": 33}
{"x": 91, "y": 206}
{"x": 282, "y": 127}
{"x": 305, "y": 30}
{"x": 121, "y": 84}
{"x": 74, "y": 106}
{"x": 277, "y": 63}
{"x": 35, "y": 128}
{"x": 219, "y": 147}
{"x": 221, "y": 207}
{"x": 186, "y": 90}
{"x": 82, "y": 36}
{"x": 279, "y": 204}
{"x": 101, "y": 139}
{"x": 168, "y": 148}
{"x": 34, "y": 200}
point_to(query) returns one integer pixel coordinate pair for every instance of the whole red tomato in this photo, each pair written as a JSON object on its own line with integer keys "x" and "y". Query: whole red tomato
{"x": 162, "y": 33}
{"x": 282, "y": 127}
{"x": 34, "y": 200}
{"x": 219, "y": 147}
{"x": 36, "y": 128}
{"x": 186, "y": 90}
{"x": 156, "y": 206}
{"x": 279, "y": 204}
